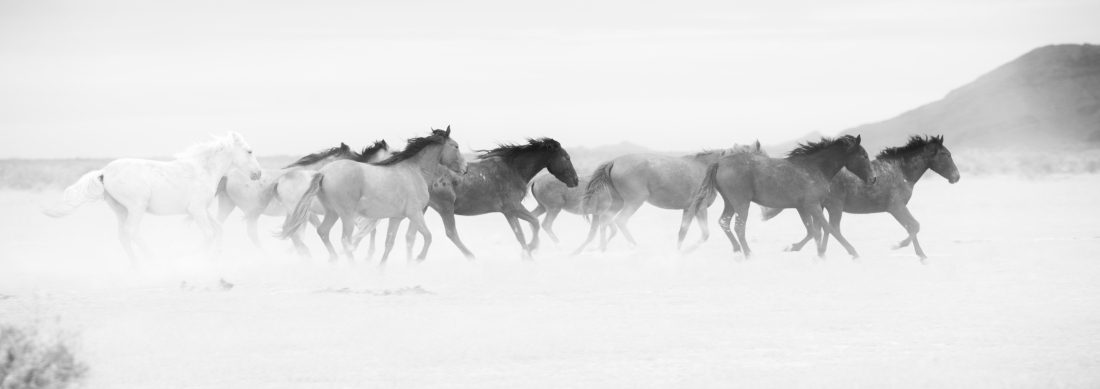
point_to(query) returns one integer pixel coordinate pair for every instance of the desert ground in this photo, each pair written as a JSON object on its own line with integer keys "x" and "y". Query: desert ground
{"x": 1010, "y": 297}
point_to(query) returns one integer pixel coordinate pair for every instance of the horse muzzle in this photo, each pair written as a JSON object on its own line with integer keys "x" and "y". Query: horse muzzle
{"x": 871, "y": 181}
{"x": 954, "y": 179}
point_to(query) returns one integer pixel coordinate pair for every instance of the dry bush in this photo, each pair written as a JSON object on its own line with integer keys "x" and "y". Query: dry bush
{"x": 30, "y": 359}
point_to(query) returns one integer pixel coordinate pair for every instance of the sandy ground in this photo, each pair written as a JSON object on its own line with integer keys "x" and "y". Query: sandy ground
{"x": 1011, "y": 298}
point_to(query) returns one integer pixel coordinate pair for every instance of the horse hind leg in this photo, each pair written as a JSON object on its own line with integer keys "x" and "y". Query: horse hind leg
{"x": 704, "y": 229}
{"x": 123, "y": 233}
{"x": 253, "y": 234}
{"x": 593, "y": 227}
{"x": 624, "y": 217}
{"x": 416, "y": 219}
{"x": 347, "y": 235}
{"x": 391, "y": 236}
{"x": 685, "y": 224}
{"x": 728, "y": 213}
{"x": 410, "y": 241}
{"x": 324, "y": 231}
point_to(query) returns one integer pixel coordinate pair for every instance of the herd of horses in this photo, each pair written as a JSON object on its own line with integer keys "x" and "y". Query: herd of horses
{"x": 360, "y": 188}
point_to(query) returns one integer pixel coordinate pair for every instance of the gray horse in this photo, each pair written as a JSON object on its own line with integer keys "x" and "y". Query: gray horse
{"x": 664, "y": 181}
{"x": 799, "y": 181}
{"x": 254, "y": 197}
{"x": 898, "y": 169}
{"x": 553, "y": 196}
{"x": 394, "y": 189}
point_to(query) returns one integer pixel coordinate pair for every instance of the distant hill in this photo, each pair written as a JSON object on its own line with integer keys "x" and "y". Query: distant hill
{"x": 1047, "y": 99}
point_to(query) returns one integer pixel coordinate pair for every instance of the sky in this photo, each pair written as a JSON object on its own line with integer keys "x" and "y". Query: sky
{"x": 93, "y": 78}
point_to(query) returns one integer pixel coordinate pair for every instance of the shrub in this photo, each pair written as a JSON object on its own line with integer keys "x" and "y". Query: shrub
{"x": 30, "y": 359}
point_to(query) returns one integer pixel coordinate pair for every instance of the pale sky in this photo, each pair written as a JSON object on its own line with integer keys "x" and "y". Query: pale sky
{"x": 88, "y": 78}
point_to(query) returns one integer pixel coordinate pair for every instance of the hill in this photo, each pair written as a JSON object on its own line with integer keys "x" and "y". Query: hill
{"x": 1047, "y": 99}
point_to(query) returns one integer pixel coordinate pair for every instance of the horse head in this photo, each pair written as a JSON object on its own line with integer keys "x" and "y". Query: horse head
{"x": 942, "y": 163}
{"x": 242, "y": 157}
{"x": 857, "y": 161}
{"x": 450, "y": 156}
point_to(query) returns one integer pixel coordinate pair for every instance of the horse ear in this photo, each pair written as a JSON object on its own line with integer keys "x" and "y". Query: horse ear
{"x": 385, "y": 145}
{"x": 236, "y": 137}
{"x": 448, "y": 131}
{"x": 757, "y": 144}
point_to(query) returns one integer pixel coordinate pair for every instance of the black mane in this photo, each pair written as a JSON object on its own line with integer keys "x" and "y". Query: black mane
{"x": 509, "y": 150}
{"x": 414, "y": 146}
{"x": 369, "y": 152}
{"x": 342, "y": 151}
{"x": 810, "y": 148}
{"x": 916, "y": 143}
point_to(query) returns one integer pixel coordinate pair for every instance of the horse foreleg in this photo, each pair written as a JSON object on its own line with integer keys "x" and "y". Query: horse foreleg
{"x": 548, "y": 222}
{"x": 807, "y": 221}
{"x": 202, "y": 219}
{"x": 834, "y": 220}
{"x": 448, "y": 215}
{"x": 416, "y": 219}
{"x": 410, "y": 241}
{"x": 391, "y": 236}
{"x": 226, "y": 205}
{"x": 522, "y": 213}
{"x": 819, "y": 219}
{"x": 513, "y": 222}
{"x": 742, "y": 218}
{"x": 911, "y": 224}
{"x": 685, "y": 224}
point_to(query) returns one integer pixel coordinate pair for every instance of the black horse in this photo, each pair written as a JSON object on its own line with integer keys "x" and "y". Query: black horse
{"x": 898, "y": 169}
{"x": 498, "y": 183}
{"x": 799, "y": 181}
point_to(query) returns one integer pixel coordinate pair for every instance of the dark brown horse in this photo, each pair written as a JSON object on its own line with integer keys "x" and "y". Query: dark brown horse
{"x": 898, "y": 169}
{"x": 799, "y": 181}
{"x": 554, "y": 196}
{"x": 498, "y": 183}
{"x": 664, "y": 181}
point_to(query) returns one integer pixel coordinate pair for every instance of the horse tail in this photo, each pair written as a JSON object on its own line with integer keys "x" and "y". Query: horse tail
{"x": 600, "y": 181}
{"x": 297, "y": 218}
{"x": 769, "y": 213}
{"x": 87, "y": 189}
{"x": 707, "y": 191}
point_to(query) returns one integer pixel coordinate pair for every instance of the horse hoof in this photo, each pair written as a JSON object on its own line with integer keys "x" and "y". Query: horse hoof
{"x": 855, "y": 258}
{"x": 923, "y": 260}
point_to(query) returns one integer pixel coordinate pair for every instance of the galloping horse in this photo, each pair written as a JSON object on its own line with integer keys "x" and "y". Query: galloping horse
{"x": 254, "y": 197}
{"x": 186, "y": 185}
{"x": 288, "y": 188}
{"x": 666, "y": 182}
{"x": 498, "y": 183}
{"x": 799, "y": 181}
{"x": 553, "y": 196}
{"x": 394, "y": 188}
{"x": 898, "y": 169}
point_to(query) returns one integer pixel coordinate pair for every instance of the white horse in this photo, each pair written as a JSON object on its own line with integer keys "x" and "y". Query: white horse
{"x": 185, "y": 186}
{"x": 255, "y": 197}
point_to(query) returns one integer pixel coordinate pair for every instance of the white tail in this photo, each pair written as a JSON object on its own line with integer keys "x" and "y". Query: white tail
{"x": 88, "y": 188}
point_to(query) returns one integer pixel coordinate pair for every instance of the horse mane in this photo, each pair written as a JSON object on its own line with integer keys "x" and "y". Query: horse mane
{"x": 340, "y": 151}
{"x": 219, "y": 144}
{"x": 916, "y": 143}
{"x": 414, "y": 146}
{"x": 810, "y": 148}
{"x": 510, "y": 150}
{"x": 749, "y": 148}
{"x": 369, "y": 151}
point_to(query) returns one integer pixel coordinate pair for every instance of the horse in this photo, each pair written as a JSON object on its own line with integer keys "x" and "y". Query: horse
{"x": 254, "y": 197}
{"x": 289, "y": 188}
{"x": 554, "y": 196}
{"x": 186, "y": 185}
{"x": 898, "y": 169}
{"x": 497, "y": 182}
{"x": 664, "y": 181}
{"x": 394, "y": 188}
{"x": 801, "y": 180}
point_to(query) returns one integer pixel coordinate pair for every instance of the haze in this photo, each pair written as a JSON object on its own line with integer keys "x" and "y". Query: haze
{"x": 131, "y": 78}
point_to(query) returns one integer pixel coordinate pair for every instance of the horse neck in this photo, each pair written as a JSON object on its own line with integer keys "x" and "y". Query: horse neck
{"x": 214, "y": 163}
{"x": 828, "y": 162}
{"x": 426, "y": 162}
{"x": 527, "y": 165}
{"x": 914, "y": 165}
